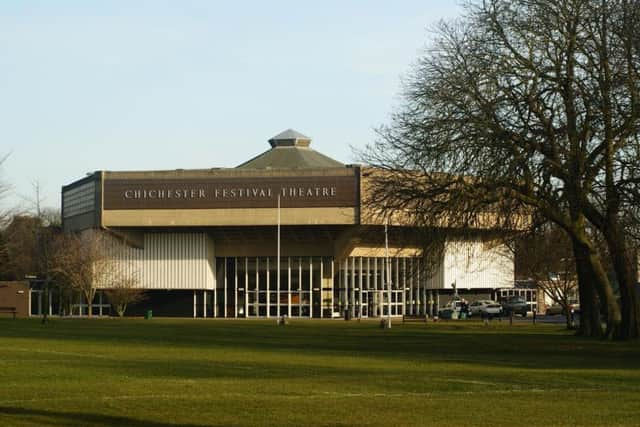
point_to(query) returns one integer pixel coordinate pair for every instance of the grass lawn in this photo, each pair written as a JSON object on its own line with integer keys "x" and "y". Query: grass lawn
{"x": 188, "y": 372}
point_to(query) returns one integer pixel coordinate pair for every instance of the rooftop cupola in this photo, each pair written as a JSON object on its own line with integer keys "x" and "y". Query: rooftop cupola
{"x": 290, "y": 138}
{"x": 290, "y": 150}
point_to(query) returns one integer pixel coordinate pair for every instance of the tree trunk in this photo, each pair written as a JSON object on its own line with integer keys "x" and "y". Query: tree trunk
{"x": 590, "y": 325}
{"x": 90, "y": 295}
{"x": 605, "y": 293}
{"x": 622, "y": 264}
{"x": 569, "y": 319}
{"x": 45, "y": 314}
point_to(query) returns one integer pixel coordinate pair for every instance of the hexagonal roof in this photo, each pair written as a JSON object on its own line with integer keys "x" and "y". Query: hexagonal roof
{"x": 290, "y": 150}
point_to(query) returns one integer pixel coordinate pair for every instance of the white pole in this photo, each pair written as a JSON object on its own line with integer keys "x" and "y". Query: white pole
{"x": 386, "y": 248}
{"x": 215, "y": 291}
{"x": 278, "y": 267}
{"x": 310, "y": 287}
{"x": 289, "y": 286}
{"x": 268, "y": 289}
{"x": 246, "y": 287}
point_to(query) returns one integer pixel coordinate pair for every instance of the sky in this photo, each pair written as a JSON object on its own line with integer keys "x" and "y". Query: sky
{"x": 147, "y": 85}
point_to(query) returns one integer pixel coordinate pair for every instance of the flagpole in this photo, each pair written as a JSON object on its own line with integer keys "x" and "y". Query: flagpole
{"x": 278, "y": 262}
{"x": 386, "y": 247}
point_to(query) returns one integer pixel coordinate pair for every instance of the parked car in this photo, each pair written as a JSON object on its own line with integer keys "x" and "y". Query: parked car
{"x": 485, "y": 306}
{"x": 451, "y": 310}
{"x": 574, "y": 307}
{"x": 447, "y": 313}
{"x": 516, "y": 305}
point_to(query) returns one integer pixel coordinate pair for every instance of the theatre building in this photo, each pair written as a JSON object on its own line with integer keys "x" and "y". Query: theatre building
{"x": 285, "y": 233}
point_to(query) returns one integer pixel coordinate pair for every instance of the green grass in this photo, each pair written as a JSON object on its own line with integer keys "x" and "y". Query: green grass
{"x": 229, "y": 373}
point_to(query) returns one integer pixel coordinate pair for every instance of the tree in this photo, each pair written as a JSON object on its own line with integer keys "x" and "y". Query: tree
{"x": 5, "y": 188}
{"x": 4, "y": 191}
{"x": 81, "y": 261}
{"x": 546, "y": 257}
{"x": 21, "y": 248}
{"x": 26, "y": 241}
{"x": 614, "y": 42}
{"x": 44, "y": 233}
{"x": 125, "y": 291}
{"x": 513, "y": 108}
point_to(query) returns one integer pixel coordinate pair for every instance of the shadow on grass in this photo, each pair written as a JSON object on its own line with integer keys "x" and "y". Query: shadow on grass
{"x": 544, "y": 347}
{"x": 56, "y": 418}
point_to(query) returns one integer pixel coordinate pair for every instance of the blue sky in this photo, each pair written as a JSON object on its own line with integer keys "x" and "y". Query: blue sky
{"x": 138, "y": 85}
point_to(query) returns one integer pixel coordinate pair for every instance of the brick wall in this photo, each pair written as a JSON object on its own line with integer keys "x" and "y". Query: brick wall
{"x": 15, "y": 294}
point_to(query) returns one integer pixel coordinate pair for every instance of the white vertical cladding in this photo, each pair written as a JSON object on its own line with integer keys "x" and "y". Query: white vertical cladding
{"x": 178, "y": 260}
{"x": 211, "y": 261}
{"x": 173, "y": 265}
{"x": 477, "y": 264}
{"x": 168, "y": 260}
{"x": 151, "y": 262}
{"x": 435, "y": 275}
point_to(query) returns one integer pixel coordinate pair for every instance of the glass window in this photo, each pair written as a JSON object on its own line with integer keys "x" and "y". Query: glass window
{"x": 79, "y": 200}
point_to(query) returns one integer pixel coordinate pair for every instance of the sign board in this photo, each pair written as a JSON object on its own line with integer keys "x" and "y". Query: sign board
{"x": 231, "y": 192}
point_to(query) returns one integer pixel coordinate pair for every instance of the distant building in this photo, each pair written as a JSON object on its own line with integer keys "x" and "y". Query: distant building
{"x": 204, "y": 243}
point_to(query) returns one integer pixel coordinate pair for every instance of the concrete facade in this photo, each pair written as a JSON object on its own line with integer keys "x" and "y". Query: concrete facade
{"x": 273, "y": 237}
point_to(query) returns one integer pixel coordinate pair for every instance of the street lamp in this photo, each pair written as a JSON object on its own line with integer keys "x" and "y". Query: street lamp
{"x": 388, "y": 265}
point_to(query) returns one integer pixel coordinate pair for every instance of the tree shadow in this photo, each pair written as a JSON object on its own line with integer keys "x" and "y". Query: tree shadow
{"x": 495, "y": 345}
{"x": 57, "y": 418}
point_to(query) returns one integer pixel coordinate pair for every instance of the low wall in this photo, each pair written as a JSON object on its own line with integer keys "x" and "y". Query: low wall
{"x": 15, "y": 294}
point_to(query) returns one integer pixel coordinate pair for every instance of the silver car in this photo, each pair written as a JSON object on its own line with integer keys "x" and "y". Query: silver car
{"x": 574, "y": 307}
{"x": 485, "y": 306}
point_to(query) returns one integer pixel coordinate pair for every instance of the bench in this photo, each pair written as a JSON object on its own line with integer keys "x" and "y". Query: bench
{"x": 11, "y": 310}
{"x": 415, "y": 318}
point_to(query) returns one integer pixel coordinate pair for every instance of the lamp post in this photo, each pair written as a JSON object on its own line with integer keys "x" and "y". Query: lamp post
{"x": 278, "y": 262}
{"x": 388, "y": 265}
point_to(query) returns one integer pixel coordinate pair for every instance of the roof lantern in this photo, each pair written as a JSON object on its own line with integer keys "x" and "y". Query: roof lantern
{"x": 290, "y": 150}
{"x": 290, "y": 138}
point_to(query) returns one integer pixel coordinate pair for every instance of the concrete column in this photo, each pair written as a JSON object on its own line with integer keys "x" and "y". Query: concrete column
{"x": 268, "y": 290}
{"x": 215, "y": 296}
{"x": 257, "y": 290}
{"x": 420, "y": 290}
{"x": 399, "y": 297}
{"x": 310, "y": 287}
{"x": 430, "y": 303}
{"x": 224, "y": 292}
{"x": 289, "y": 286}
{"x": 194, "y": 304}
{"x": 376, "y": 293}
{"x": 246, "y": 286}
{"x": 321, "y": 287}
{"x": 333, "y": 285}
{"x": 299, "y": 286}
{"x": 360, "y": 285}
{"x": 353, "y": 287}
{"x": 404, "y": 286}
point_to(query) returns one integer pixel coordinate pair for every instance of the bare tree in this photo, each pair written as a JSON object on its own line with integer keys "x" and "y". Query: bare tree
{"x": 546, "y": 257}
{"x": 5, "y": 188}
{"x": 525, "y": 106}
{"x": 125, "y": 290}
{"x": 82, "y": 262}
